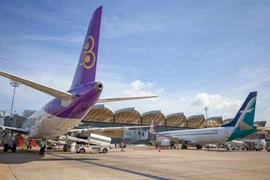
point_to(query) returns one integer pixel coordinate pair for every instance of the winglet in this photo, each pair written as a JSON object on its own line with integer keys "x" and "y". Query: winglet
{"x": 152, "y": 128}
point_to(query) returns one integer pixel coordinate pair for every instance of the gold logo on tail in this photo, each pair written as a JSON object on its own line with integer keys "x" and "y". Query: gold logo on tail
{"x": 88, "y": 57}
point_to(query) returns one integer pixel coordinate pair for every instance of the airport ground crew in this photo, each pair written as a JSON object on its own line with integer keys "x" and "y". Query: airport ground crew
{"x": 42, "y": 145}
{"x": 122, "y": 146}
{"x": 28, "y": 146}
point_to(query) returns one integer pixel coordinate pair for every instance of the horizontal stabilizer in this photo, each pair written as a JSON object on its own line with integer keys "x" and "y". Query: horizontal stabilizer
{"x": 48, "y": 90}
{"x": 244, "y": 126}
{"x": 14, "y": 129}
{"x": 123, "y": 99}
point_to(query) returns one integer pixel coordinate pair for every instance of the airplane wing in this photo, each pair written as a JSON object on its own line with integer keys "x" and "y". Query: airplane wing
{"x": 48, "y": 90}
{"x": 123, "y": 99}
{"x": 14, "y": 129}
{"x": 104, "y": 129}
{"x": 172, "y": 138}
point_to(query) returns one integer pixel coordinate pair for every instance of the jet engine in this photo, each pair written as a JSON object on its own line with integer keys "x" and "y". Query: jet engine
{"x": 167, "y": 142}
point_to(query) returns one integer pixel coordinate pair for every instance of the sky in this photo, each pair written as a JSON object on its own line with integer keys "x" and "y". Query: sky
{"x": 192, "y": 54}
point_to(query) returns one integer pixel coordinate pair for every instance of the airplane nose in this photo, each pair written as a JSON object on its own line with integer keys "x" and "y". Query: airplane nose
{"x": 99, "y": 86}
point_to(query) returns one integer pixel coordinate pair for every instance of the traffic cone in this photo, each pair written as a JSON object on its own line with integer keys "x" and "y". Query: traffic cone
{"x": 150, "y": 148}
{"x": 158, "y": 149}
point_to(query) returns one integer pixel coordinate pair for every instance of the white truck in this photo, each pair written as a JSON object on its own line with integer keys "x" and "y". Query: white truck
{"x": 91, "y": 149}
{"x": 267, "y": 146}
{"x": 254, "y": 144}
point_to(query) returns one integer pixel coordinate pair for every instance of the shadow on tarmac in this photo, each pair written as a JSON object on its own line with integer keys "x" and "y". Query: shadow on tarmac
{"x": 116, "y": 168}
{"x": 25, "y": 156}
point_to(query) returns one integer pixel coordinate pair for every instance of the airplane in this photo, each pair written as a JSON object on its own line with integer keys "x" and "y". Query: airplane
{"x": 241, "y": 126}
{"x": 67, "y": 109}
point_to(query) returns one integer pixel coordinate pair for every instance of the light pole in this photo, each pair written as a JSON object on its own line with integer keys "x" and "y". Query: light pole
{"x": 13, "y": 84}
{"x": 2, "y": 112}
{"x": 206, "y": 109}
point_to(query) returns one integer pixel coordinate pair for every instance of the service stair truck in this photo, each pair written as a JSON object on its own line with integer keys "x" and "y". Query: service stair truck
{"x": 95, "y": 143}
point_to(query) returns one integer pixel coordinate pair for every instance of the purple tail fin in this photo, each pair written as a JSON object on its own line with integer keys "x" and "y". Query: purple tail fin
{"x": 86, "y": 68}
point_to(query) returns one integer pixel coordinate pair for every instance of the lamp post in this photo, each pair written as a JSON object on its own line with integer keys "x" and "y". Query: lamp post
{"x": 2, "y": 112}
{"x": 206, "y": 109}
{"x": 13, "y": 84}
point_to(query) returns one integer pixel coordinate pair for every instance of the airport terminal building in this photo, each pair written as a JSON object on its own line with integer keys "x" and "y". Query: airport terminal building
{"x": 101, "y": 116}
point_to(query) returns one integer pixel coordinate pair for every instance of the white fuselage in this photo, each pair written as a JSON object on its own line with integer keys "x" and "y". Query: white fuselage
{"x": 44, "y": 125}
{"x": 199, "y": 136}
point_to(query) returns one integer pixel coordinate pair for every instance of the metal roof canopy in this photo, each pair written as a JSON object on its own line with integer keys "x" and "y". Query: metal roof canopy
{"x": 260, "y": 123}
{"x": 127, "y": 116}
{"x": 176, "y": 120}
{"x": 197, "y": 121}
{"x": 226, "y": 121}
{"x": 99, "y": 113}
{"x": 157, "y": 116}
{"x": 214, "y": 122}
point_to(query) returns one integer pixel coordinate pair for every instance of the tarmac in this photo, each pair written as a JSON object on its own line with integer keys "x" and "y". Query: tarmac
{"x": 136, "y": 163}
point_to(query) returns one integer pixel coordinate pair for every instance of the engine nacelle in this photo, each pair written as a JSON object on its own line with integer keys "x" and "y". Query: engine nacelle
{"x": 167, "y": 142}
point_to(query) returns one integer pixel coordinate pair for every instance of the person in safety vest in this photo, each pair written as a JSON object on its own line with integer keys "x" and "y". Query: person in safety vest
{"x": 42, "y": 145}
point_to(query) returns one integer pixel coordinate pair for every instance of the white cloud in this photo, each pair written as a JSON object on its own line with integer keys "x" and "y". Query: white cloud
{"x": 137, "y": 49}
{"x": 267, "y": 115}
{"x": 4, "y": 57}
{"x": 214, "y": 101}
{"x": 115, "y": 26}
{"x": 139, "y": 88}
{"x": 183, "y": 99}
{"x": 71, "y": 38}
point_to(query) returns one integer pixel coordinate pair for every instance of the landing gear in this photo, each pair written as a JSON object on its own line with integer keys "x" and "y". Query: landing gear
{"x": 10, "y": 143}
{"x": 13, "y": 147}
{"x": 6, "y": 148}
{"x": 198, "y": 146}
{"x": 49, "y": 148}
{"x": 66, "y": 147}
{"x": 184, "y": 146}
{"x": 171, "y": 144}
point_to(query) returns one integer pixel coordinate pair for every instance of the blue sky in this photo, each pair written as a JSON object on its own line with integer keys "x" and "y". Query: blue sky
{"x": 191, "y": 53}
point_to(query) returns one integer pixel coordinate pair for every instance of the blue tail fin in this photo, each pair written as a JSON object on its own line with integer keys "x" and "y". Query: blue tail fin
{"x": 86, "y": 68}
{"x": 246, "y": 113}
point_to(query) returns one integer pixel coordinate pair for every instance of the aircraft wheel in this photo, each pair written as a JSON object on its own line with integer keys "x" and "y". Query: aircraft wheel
{"x": 66, "y": 147}
{"x": 14, "y": 148}
{"x": 5, "y": 148}
{"x": 105, "y": 150}
{"x": 184, "y": 146}
{"x": 198, "y": 146}
{"x": 49, "y": 148}
{"x": 82, "y": 151}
